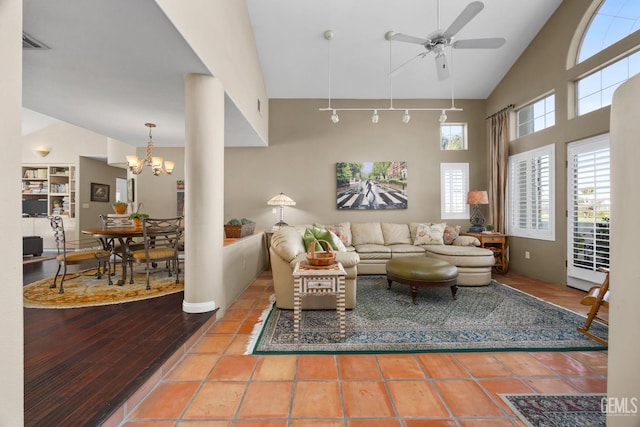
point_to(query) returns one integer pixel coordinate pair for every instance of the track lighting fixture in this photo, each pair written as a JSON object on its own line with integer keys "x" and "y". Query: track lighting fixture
{"x": 375, "y": 118}
{"x": 334, "y": 117}
{"x": 443, "y": 117}
{"x": 406, "y": 117}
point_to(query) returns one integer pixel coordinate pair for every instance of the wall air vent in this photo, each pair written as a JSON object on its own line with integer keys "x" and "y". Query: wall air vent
{"x": 30, "y": 43}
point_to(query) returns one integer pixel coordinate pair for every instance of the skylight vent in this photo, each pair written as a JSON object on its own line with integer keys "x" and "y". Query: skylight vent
{"x": 30, "y": 43}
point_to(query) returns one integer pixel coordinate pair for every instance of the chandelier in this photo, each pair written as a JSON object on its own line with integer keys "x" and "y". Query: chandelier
{"x": 375, "y": 118}
{"x": 157, "y": 164}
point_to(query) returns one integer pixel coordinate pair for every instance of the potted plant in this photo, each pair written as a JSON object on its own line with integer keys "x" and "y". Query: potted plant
{"x": 119, "y": 207}
{"x": 137, "y": 218}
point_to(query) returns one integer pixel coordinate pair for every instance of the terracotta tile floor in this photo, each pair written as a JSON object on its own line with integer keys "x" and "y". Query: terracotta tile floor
{"x": 215, "y": 385}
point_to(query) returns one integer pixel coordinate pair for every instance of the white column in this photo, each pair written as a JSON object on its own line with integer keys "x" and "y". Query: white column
{"x": 11, "y": 321}
{"x": 204, "y": 192}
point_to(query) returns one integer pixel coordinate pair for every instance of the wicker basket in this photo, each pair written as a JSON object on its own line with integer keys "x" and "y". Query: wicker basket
{"x": 237, "y": 231}
{"x": 321, "y": 258}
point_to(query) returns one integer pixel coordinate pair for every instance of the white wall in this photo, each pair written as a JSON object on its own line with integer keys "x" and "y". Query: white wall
{"x": 624, "y": 316}
{"x": 11, "y": 321}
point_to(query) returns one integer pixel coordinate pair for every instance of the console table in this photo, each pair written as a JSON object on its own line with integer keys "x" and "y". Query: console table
{"x": 314, "y": 281}
{"x": 498, "y": 244}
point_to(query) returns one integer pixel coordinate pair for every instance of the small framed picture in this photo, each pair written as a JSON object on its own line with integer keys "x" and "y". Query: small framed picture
{"x": 99, "y": 192}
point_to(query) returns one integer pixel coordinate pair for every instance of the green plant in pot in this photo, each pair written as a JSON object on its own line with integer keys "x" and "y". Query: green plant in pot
{"x": 119, "y": 207}
{"x": 137, "y": 218}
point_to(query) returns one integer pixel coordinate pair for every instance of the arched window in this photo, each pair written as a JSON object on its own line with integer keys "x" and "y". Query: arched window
{"x": 615, "y": 20}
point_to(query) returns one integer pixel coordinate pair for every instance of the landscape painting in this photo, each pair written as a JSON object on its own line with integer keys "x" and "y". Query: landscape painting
{"x": 371, "y": 185}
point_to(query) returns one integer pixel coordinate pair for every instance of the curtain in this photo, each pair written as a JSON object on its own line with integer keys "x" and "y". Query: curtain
{"x": 499, "y": 160}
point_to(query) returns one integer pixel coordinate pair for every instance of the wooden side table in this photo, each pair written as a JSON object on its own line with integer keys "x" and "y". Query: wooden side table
{"x": 498, "y": 244}
{"x": 314, "y": 281}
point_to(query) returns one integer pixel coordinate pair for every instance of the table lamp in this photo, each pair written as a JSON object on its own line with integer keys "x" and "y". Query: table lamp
{"x": 281, "y": 200}
{"x": 476, "y": 198}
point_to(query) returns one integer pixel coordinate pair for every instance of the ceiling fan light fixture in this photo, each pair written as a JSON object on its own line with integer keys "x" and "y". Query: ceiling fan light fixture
{"x": 375, "y": 118}
{"x": 334, "y": 117}
{"x": 406, "y": 117}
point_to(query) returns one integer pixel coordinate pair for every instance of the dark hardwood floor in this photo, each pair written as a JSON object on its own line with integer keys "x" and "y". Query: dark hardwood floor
{"x": 81, "y": 364}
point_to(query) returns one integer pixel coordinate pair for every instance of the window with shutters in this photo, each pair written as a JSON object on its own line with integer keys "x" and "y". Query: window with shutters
{"x": 454, "y": 186}
{"x": 589, "y": 207}
{"x": 531, "y": 205}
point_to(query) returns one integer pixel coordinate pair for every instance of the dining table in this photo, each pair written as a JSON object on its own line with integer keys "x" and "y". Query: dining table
{"x": 124, "y": 235}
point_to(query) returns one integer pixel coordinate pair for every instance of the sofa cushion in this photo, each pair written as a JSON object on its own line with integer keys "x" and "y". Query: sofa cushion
{"x": 461, "y": 256}
{"x": 287, "y": 243}
{"x": 466, "y": 241}
{"x": 366, "y": 233}
{"x": 451, "y": 233}
{"x": 430, "y": 234}
{"x": 396, "y": 234}
{"x": 371, "y": 251}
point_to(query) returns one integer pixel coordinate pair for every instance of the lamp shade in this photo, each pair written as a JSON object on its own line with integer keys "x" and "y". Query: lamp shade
{"x": 281, "y": 200}
{"x": 477, "y": 198}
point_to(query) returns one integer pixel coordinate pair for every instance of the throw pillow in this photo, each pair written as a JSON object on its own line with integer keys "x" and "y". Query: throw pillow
{"x": 451, "y": 233}
{"x": 339, "y": 244}
{"x": 369, "y": 233}
{"x": 322, "y": 233}
{"x": 343, "y": 231}
{"x": 430, "y": 234}
{"x": 309, "y": 238}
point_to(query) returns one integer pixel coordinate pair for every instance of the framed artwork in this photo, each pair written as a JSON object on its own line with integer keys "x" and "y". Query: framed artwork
{"x": 131, "y": 190}
{"x": 99, "y": 192}
{"x": 371, "y": 185}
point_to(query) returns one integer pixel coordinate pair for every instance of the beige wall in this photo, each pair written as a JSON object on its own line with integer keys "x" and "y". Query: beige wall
{"x": 541, "y": 69}
{"x": 624, "y": 346}
{"x": 11, "y": 321}
{"x": 304, "y": 147}
{"x": 97, "y": 171}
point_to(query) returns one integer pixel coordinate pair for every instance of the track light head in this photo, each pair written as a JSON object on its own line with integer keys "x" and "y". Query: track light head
{"x": 406, "y": 117}
{"x": 375, "y": 118}
{"x": 443, "y": 117}
{"x": 334, "y": 117}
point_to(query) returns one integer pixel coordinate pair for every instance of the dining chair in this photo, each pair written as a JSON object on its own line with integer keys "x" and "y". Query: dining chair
{"x": 70, "y": 252}
{"x": 161, "y": 238}
{"x": 114, "y": 247}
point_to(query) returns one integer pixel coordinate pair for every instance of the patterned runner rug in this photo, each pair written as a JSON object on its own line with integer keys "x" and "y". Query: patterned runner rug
{"x": 560, "y": 410}
{"x": 487, "y": 318}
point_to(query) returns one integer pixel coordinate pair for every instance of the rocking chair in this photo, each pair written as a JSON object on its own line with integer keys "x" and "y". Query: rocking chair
{"x": 597, "y": 297}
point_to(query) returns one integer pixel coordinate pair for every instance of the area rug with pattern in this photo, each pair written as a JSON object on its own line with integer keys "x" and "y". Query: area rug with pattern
{"x": 83, "y": 289}
{"x": 558, "y": 410}
{"x": 485, "y": 318}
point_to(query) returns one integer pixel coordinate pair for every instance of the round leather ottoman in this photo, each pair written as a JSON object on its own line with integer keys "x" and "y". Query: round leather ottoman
{"x": 421, "y": 271}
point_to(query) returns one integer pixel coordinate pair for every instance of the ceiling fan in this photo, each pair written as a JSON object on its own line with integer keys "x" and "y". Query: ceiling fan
{"x": 437, "y": 41}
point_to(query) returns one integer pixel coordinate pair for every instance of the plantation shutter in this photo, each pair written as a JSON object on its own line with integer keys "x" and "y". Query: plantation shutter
{"x": 531, "y": 212}
{"x": 454, "y": 188}
{"x": 589, "y": 210}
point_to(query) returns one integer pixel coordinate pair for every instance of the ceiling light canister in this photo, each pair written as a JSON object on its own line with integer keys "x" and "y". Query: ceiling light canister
{"x": 334, "y": 117}
{"x": 406, "y": 117}
{"x": 443, "y": 117}
{"x": 375, "y": 118}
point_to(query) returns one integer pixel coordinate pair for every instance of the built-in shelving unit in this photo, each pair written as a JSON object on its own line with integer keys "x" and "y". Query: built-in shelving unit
{"x": 48, "y": 190}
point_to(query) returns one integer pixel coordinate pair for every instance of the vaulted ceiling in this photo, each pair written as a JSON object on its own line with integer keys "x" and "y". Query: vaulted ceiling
{"x": 114, "y": 65}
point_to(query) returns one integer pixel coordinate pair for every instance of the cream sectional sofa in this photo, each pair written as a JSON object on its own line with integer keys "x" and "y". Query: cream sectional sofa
{"x": 365, "y": 248}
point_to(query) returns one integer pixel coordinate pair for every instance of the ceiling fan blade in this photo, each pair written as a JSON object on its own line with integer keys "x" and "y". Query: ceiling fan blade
{"x": 405, "y": 63}
{"x": 442, "y": 68}
{"x": 490, "y": 43}
{"x": 408, "y": 39}
{"x": 463, "y": 19}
